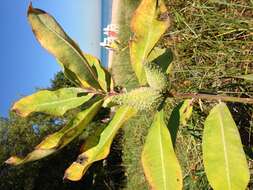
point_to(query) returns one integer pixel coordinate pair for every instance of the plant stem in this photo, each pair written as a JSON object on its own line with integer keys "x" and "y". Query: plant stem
{"x": 212, "y": 97}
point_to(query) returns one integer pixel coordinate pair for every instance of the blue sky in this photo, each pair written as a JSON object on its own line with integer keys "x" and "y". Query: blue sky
{"x": 25, "y": 65}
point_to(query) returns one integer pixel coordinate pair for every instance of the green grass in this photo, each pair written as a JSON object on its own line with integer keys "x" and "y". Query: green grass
{"x": 212, "y": 41}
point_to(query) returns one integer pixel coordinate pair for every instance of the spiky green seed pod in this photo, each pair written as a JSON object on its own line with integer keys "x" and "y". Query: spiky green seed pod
{"x": 156, "y": 78}
{"x": 144, "y": 98}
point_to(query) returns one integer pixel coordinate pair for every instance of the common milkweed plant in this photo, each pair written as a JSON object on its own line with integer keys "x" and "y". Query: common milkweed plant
{"x": 223, "y": 156}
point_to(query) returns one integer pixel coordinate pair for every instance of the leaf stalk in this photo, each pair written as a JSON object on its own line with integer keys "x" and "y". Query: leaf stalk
{"x": 211, "y": 97}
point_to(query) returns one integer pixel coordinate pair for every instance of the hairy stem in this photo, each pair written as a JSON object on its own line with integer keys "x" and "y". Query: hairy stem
{"x": 211, "y": 97}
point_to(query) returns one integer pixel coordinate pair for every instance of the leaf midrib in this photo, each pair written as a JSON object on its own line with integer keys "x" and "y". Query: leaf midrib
{"x": 60, "y": 101}
{"x": 162, "y": 157}
{"x": 225, "y": 150}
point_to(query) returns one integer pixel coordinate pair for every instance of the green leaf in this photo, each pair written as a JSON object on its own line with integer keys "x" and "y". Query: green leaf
{"x": 103, "y": 76}
{"x": 174, "y": 123}
{"x": 179, "y": 115}
{"x": 52, "y": 37}
{"x": 162, "y": 57}
{"x": 51, "y": 102}
{"x": 60, "y": 139}
{"x": 248, "y": 77}
{"x": 148, "y": 24}
{"x": 224, "y": 159}
{"x": 101, "y": 150}
{"x": 159, "y": 161}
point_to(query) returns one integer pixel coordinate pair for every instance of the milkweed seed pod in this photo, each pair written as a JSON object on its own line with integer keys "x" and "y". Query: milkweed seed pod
{"x": 144, "y": 98}
{"x": 156, "y": 78}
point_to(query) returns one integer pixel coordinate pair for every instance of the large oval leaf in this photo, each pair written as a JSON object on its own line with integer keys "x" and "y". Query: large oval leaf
{"x": 51, "y": 102}
{"x": 224, "y": 159}
{"x": 52, "y": 37}
{"x": 149, "y": 22}
{"x": 58, "y": 140}
{"x": 101, "y": 150}
{"x": 159, "y": 161}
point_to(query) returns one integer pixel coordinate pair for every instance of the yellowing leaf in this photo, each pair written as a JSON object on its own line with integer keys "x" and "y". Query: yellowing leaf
{"x": 185, "y": 111}
{"x": 103, "y": 76}
{"x": 61, "y": 138}
{"x": 224, "y": 159}
{"x": 148, "y": 24}
{"x": 52, "y": 37}
{"x": 101, "y": 150}
{"x": 51, "y": 102}
{"x": 159, "y": 161}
